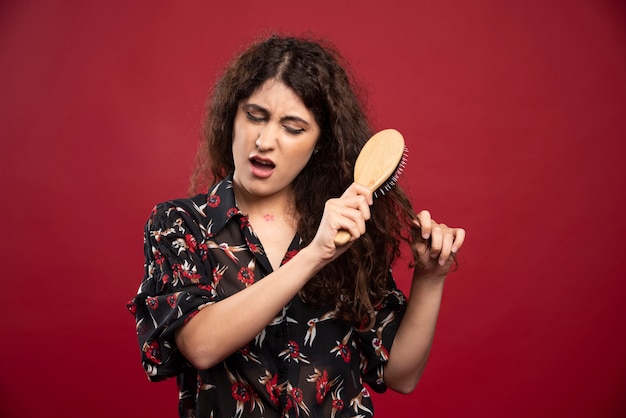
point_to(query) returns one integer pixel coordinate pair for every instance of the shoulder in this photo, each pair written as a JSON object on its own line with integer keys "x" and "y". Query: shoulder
{"x": 174, "y": 219}
{"x": 208, "y": 211}
{"x": 192, "y": 208}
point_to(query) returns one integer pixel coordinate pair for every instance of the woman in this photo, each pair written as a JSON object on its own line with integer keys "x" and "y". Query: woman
{"x": 246, "y": 298}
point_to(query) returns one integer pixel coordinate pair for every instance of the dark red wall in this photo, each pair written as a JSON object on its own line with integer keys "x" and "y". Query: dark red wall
{"x": 514, "y": 113}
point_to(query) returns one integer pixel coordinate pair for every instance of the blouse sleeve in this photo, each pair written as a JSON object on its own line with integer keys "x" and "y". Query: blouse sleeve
{"x": 376, "y": 339}
{"x": 177, "y": 283}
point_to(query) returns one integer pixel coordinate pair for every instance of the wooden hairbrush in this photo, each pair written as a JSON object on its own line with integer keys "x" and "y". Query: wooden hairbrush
{"x": 378, "y": 166}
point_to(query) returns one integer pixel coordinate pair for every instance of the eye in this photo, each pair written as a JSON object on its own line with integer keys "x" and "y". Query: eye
{"x": 255, "y": 117}
{"x": 292, "y": 130}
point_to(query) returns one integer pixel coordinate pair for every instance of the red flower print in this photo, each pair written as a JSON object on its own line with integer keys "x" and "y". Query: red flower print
{"x": 380, "y": 349}
{"x": 296, "y": 400}
{"x": 206, "y": 287}
{"x": 231, "y": 212}
{"x": 342, "y": 350}
{"x": 322, "y": 387}
{"x": 191, "y": 315}
{"x": 296, "y": 394}
{"x": 152, "y": 351}
{"x": 288, "y": 407}
{"x": 364, "y": 323}
{"x": 152, "y": 303}
{"x": 338, "y": 404}
{"x": 253, "y": 247}
{"x": 204, "y": 250}
{"x": 240, "y": 392}
{"x": 345, "y": 354}
{"x": 190, "y": 240}
{"x": 244, "y": 223}
{"x": 272, "y": 388}
{"x": 186, "y": 270}
{"x": 176, "y": 269}
{"x": 171, "y": 300}
{"x": 213, "y": 201}
{"x": 245, "y": 275}
{"x": 292, "y": 352}
{"x": 245, "y": 350}
{"x": 194, "y": 277}
{"x": 132, "y": 307}
{"x": 218, "y": 273}
{"x": 294, "y": 349}
{"x": 289, "y": 255}
{"x": 158, "y": 257}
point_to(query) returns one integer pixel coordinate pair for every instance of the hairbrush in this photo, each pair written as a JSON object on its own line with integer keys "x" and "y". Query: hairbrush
{"x": 378, "y": 166}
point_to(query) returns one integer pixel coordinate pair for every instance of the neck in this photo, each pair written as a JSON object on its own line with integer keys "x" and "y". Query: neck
{"x": 277, "y": 205}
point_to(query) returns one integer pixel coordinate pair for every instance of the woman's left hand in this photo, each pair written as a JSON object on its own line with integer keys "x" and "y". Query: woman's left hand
{"x": 438, "y": 247}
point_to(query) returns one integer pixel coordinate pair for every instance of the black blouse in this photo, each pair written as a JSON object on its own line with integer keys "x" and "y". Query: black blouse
{"x": 305, "y": 362}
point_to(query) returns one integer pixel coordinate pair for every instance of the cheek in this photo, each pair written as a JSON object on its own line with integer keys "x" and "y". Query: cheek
{"x": 300, "y": 157}
{"x": 305, "y": 148}
{"x": 238, "y": 141}
{"x": 240, "y": 155}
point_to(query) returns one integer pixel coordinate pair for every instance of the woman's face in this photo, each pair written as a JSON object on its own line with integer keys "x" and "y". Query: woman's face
{"x": 274, "y": 136}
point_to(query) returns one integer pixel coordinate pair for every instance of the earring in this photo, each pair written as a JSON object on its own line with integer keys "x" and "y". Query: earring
{"x": 315, "y": 151}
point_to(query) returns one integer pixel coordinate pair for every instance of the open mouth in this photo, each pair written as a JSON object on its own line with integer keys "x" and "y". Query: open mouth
{"x": 262, "y": 164}
{"x": 261, "y": 168}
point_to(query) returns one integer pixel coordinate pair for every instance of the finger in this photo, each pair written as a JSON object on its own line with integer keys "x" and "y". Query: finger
{"x": 436, "y": 240}
{"x": 446, "y": 249}
{"x": 349, "y": 214}
{"x": 353, "y": 220}
{"x": 459, "y": 238}
{"x": 357, "y": 202}
{"x": 360, "y": 203}
{"x": 357, "y": 189}
{"x": 424, "y": 221}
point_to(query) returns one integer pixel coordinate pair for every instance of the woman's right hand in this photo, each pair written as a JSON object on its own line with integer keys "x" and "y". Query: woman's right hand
{"x": 349, "y": 213}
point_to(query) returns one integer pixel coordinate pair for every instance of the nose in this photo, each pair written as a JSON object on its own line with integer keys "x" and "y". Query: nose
{"x": 267, "y": 138}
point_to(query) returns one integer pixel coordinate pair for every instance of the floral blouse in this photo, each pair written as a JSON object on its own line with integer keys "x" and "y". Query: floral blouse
{"x": 306, "y": 362}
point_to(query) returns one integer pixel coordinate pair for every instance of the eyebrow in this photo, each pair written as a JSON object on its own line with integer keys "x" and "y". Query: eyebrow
{"x": 288, "y": 118}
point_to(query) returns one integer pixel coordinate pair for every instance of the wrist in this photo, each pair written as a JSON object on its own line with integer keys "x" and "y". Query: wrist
{"x": 426, "y": 278}
{"x": 311, "y": 263}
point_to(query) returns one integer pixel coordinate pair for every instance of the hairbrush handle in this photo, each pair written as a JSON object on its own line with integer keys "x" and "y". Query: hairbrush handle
{"x": 342, "y": 237}
{"x": 378, "y": 166}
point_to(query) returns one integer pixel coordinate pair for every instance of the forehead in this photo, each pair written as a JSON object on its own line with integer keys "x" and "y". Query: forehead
{"x": 275, "y": 93}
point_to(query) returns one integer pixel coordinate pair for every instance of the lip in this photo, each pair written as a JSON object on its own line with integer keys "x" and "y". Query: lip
{"x": 262, "y": 170}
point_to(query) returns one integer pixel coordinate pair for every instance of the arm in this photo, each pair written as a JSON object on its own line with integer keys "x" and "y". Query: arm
{"x": 208, "y": 337}
{"x": 222, "y": 328}
{"x": 410, "y": 350}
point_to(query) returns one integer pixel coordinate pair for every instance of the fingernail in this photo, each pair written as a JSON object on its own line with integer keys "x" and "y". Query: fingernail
{"x": 426, "y": 236}
{"x": 442, "y": 262}
{"x": 454, "y": 249}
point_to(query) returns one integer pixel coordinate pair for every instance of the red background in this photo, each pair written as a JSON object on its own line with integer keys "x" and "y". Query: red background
{"x": 514, "y": 116}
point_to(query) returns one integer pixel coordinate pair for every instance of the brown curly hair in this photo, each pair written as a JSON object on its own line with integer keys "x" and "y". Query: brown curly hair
{"x": 315, "y": 71}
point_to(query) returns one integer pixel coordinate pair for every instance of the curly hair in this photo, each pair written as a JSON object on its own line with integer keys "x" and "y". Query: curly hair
{"x": 316, "y": 72}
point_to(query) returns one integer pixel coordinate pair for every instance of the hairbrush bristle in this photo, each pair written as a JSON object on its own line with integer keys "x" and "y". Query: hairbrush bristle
{"x": 393, "y": 179}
